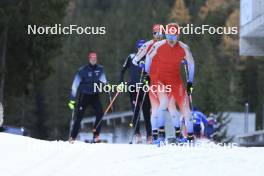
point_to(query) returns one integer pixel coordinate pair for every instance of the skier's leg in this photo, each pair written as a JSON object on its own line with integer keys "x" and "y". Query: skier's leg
{"x": 82, "y": 104}
{"x": 97, "y": 106}
{"x": 136, "y": 99}
{"x": 202, "y": 130}
{"x": 175, "y": 115}
{"x": 162, "y": 110}
{"x": 183, "y": 126}
{"x": 136, "y": 108}
{"x": 209, "y": 131}
{"x": 197, "y": 130}
{"x": 154, "y": 114}
{"x": 181, "y": 97}
{"x": 146, "y": 114}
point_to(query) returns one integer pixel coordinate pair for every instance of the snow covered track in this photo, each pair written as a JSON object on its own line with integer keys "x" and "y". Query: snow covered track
{"x": 23, "y": 156}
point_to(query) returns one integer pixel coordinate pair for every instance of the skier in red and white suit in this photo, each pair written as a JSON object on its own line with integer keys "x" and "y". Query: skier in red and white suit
{"x": 174, "y": 113}
{"x": 163, "y": 63}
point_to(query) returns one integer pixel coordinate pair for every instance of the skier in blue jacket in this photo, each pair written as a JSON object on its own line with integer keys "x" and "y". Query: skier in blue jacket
{"x": 84, "y": 83}
{"x": 199, "y": 121}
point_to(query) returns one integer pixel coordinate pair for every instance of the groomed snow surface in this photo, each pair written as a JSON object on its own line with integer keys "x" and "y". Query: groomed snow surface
{"x": 24, "y": 156}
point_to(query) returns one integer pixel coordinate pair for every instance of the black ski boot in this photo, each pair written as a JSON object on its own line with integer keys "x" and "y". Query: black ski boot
{"x": 96, "y": 138}
{"x": 190, "y": 137}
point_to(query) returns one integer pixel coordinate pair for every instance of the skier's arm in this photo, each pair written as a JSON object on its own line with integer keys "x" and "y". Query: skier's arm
{"x": 75, "y": 86}
{"x": 190, "y": 61}
{"x": 149, "y": 58}
{"x": 141, "y": 53}
{"x": 190, "y": 66}
{"x": 125, "y": 66}
{"x": 103, "y": 79}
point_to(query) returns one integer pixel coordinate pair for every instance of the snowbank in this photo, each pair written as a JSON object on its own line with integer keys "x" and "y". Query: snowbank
{"x": 23, "y": 156}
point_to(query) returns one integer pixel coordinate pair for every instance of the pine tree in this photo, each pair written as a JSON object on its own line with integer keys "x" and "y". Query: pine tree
{"x": 179, "y": 13}
{"x": 220, "y": 134}
{"x": 28, "y": 60}
{"x": 229, "y": 49}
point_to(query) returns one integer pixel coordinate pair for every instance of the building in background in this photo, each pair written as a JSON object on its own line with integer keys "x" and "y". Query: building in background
{"x": 240, "y": 124}
{"x": 251, "y": 28}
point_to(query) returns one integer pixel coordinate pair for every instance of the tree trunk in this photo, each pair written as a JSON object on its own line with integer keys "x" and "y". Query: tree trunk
{"x": 3, "y": 46}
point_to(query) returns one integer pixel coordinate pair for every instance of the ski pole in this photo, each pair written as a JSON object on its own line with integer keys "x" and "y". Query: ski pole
{"x": 191, "y": 104}
{"x": 110, "y": 100}
{"x": 138, "y": 118}
{"x": 107, "y": 109}
{"x": 71, "y": 123}
{"x": 185, "y": 68}
{"x": 187, "y": 75}
{"x": 136, "y": 103}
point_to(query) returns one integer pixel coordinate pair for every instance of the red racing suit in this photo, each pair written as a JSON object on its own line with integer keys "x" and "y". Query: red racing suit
{"x": 163, "y": 63}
